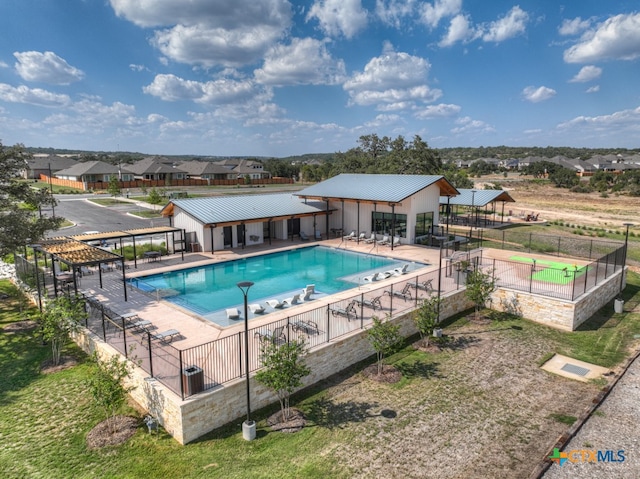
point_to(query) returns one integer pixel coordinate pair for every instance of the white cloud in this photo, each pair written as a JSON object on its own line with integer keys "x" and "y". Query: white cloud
{"x": 574, "y": 26}
{"x": 32, "y": 96}
{"x": 432, "y": 13}
{"x": 223, "y": 91}
{"x": 390, "y": 79}
{"x": 137, "y": 68}
{"x": 613, "y": 123}
{"x": 512, "y": 24}
{"x": 3, "y": 64}
{"x": 383, "y": 121}
{"x": 303, "y": 62}
{"x": 391, "y": 12}
{"x": 202, "y": 32}
{"x": 587, "y": 73}
{"x": 593, "y": 89}
{"x": 469, "y": 125}
{"x": 339, "y": 17}
{"x": 535, "y": 95}
{"x": 437, "y": 111}
{"x": 460, "y": 30}
{"x": 617, "y": 38}
{"x": 46, "y": 67}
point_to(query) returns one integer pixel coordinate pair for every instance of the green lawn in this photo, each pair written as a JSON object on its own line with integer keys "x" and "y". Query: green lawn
{"x": 44, "y": 419}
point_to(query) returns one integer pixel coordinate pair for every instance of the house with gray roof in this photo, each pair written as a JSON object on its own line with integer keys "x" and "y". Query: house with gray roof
{"x": 156, "y": 168}
{"x": 402, "y": 206}
{"x": 94, "y": 172}
{"x": 46, "y": 165}
{"x": 206, "y": 170}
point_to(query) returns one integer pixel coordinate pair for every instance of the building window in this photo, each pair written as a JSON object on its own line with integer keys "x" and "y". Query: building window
{"x": 424, "y": 222}
{"x": 382, "y": 223}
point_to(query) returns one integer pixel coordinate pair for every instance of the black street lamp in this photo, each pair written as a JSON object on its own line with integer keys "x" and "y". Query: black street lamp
{"x": 249, "y": 426}
{"x": 624, "y": 256}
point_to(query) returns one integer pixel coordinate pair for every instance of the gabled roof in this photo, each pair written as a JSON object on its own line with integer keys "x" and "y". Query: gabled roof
{"x": 219, "y": 210}
{"x": 195, "y": 167}
{"x": 153, "y": 165}
{"x": 91, "y": 168}
{"x": 56, "y": 163}
{"x": 477, "y": 198}
{"x": 375, "y": 188}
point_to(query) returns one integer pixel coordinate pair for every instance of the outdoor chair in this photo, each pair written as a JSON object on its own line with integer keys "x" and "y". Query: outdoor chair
{"x": 256, "y": 308}
{"x": 350, "y": 236}
{"x": 142, "y": 325}
{"x": 384, "y": 241}
{"x": 295, "y": 299}
{"x": 373, "y": 303}
{"x": 349, "y": 310}
{"x": 84, "y": 270}
{"x": 318, "y": 235}
{"x": 307, "y": 292}
{"x": 310, "y": 289}
{"x": 375, "y": 277}
{"x": 371, "y": 239}
{"x": 362, "y": 237}
{"x": 424, "y": 285}
{"x": 303, "y": 236}
{"x": 166, "y": 336}
{"x": 275, "y": 303}
{"x": 401, "y": 270}
{"x": 233, "y": 313}
{"x": 404, "y": 294}
{"x": 305, "y": 326}
{"x": 275, "y": 337}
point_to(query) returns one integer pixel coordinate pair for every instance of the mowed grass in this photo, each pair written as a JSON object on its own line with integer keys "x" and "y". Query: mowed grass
{"x": 44, "y": 419}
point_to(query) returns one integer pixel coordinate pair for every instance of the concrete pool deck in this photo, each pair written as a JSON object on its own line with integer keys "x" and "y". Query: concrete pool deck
{"x": 195, "y": 330}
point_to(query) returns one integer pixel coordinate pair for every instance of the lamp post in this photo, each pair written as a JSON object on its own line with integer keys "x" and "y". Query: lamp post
{"x": 624, "y": 257}
{"x": 249, "y": 426}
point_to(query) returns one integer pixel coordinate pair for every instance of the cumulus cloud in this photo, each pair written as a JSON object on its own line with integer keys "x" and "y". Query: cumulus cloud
{"x": 137, "y": 68}
{"x": 588, "y": 73}
{"x": 390, "y": 79}
{"x": 574, "y": 26}
{"x": 3, "y": 64}
{"x": 32, "y": 96}
{"x": 593, "y": 89}
{"x": 619, "y": 120}
{"x": 46, "y": 67}
{"x": 303, "y": 62}
{"x": 223, "y": 91}
{"x": 339, "y": 17}
{"x": 202, "y": 32}
{"x": 469, "y": 125}
{"x": 535, "y": 95}
{"x": 392, "y": 12}
{"x": 438, "y": 111}
{"x": 512, "y": 24}
{"x": 459, "y": 30}
{"x": 432, "y": 13}
{"x": 617, "y": 38}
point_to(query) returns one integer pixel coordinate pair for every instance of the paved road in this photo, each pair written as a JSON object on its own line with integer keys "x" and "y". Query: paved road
{"x": 90, "y": 217}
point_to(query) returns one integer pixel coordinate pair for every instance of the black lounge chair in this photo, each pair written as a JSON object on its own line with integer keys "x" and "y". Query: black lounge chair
{"x": 349, "y": 310}
{"x": 424, "y": 285}
{"x": 373, "y": 303}
{"x": 305, "y": 326}
{"x": 404, "y": 294}
{"x": 275, "y": 337}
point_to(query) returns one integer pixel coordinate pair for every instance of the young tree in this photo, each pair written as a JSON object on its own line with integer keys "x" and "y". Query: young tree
{"x": 385, "y": 339}
{"x": 114, "y": 186}
{"x": 105, "y": 385}
{"x": 60, "y": 318}
{"x": 20, "y": 205}
{"x": 155, "y": 198}
{"x": 283, "y": 370}
{"x": 480, "y": 285}
{"x": 426, "y": 318}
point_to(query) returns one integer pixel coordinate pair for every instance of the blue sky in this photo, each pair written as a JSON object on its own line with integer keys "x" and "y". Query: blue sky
{"x": 278, "y": 77}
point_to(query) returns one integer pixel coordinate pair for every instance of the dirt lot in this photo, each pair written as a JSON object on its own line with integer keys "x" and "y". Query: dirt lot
{"x": 479, "y": 409}
{"x": 560, "y": 204}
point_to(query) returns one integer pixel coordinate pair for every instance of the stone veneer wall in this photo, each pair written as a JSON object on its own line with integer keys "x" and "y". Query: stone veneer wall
{"x": 188, "y": 420}
{"x": 558, "y": 313}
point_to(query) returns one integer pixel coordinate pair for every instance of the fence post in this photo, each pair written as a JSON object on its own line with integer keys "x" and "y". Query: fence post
{"x": 328, "y": 323}
{"x": 124, "y": 338}
{"x": 586, "y": 274}
{"x": 573, "y": 289}
{"x": 104, "y": 329}
{"x": 361, "y": 310}
{"x": 150, "y": 354}
{"x": 180, "y": 374}
{"x": 240, "y": 354}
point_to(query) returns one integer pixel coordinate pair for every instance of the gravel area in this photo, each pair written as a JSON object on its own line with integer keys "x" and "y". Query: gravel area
{"x": 613, "y": 427}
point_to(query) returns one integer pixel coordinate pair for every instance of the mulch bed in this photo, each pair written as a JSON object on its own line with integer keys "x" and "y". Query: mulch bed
{"x": 389, "y": 373}
{"x": 66, "y": 362}
{"x": 112, "y": 432}
{"x": 295, "y": 423}
{"x": 20, "y": 326}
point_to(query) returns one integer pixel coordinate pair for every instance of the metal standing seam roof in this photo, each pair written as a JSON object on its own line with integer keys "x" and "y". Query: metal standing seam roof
{"x": 233, "y": 209}
{"x": 378, "y": 188}
{"x": 479, "y": 198}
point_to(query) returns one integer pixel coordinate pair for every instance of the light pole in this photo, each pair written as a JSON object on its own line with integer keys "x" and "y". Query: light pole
{"x": 249, "y": 426}
{"x": 624, "y": 257}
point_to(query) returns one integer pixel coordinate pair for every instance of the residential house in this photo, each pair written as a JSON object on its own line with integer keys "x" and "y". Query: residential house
{"x": 94, "y": 172}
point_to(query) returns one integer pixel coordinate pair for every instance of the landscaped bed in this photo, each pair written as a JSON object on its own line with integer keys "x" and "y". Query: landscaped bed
{"x": 479, "y": 407}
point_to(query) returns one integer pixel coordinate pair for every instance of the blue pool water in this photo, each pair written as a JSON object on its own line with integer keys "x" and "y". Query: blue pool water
{"x": 211, "y": 288}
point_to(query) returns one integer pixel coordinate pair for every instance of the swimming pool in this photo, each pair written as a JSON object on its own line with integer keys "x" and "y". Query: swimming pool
{"x": 207, "y": 290}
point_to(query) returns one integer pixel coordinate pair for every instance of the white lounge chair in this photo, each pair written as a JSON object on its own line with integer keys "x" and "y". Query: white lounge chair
{"x": 256, "y": 308}
{"x": 396, "y": 241}
{"x": 373, "y": 277}
{"x": 318, "y": 235}
{"x": 309, "y": 290}
{"x": 384, "y": 240}
{"x": 403, "y": 269}
{"x": 295, "y": 299}
{"x": 371, "y": 239}
{"x": 362, "y": 237}
{"x": 350, "y": 236}
{"x": 303, "y": 236}
{"x": 275, "y": 303}
{"x": 233, "y": 313}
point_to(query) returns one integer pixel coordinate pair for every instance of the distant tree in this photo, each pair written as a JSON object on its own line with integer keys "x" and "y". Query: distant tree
{"x": 154, "y": 197}
{"x": 564, "y": 178}
{"x": 60, "y": 318}
{"x": 480, "y": 285}
{"x": 385, "y": 339}
{"x": 283, "y": 370}
{"x": 114, "y": 186}
{"x": 457, "y": 177}
{"x": 106, "y": 386}
{"x": 482, "y": 167}
{"x": 20, "y": 205}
